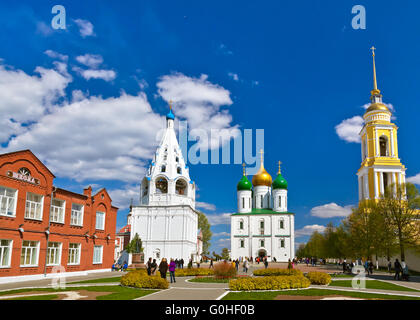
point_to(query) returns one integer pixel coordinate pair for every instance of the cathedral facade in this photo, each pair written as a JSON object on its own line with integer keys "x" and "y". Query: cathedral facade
{"x": 263, "y": 226}
{"x": 166, "y": 219}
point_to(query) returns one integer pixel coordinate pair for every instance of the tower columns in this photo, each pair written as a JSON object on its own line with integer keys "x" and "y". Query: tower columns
{"x": 392, "y": 143}
{"x": 381, "y": 184}
{"x": 376, "y": 142}
{"x": 375, "y": 182}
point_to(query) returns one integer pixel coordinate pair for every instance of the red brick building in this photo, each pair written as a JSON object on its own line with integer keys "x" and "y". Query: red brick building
{"x": 43, "y": 226}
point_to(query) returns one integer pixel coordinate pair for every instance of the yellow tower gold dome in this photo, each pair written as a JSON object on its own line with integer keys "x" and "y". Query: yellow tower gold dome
{"x": 262, "y": 178}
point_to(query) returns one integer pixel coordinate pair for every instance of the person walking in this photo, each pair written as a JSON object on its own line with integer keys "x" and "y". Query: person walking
{"x": 246, "y": 265}
{"x": 397, "y": 267}
{"x": 371, "y": 267}
{"x": 149, "y": 267}
{"x": 211, "y": 264}
{"x": 172, "y": 267}
{"x": 182, "y": 263}
{"x": 153, "y": 267}
{"x": 289, "y": 265}
{"x": 404, "y": 270}
{"x": 266, "y": 263}
{"x": 389, "y": 266}
{"x": 163, "y": 268}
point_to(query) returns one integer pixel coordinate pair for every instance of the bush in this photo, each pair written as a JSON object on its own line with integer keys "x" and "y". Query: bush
{"x": 193, "y": 272}
{"x": 319, "y": 278}
{"x": 224, "y": 270}
{"x": 277, "y": 272}
{"x": 140, "y": 279}
{"x": 269, "y": 283}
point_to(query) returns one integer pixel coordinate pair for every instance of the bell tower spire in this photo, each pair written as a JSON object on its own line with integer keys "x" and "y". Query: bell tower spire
{"x": 376, "y": 96}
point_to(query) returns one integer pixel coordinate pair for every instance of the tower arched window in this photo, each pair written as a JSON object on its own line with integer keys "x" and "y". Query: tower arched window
{"x": 243, "y": 203}
{"x": 383, "y": 146}
{"x": 241, "y": 224}
{"x": 177, "y": 159}
{"x": 279, "y": 201}
{"x": 179, "y": 170}
{"x": 163, "y": 168}
{"x": 281, "y": 224}
{"x": 262, "y": 226}
{"x": 161, "y": 185}
{"x": 262, "y": 202}
{"x": 181, "y": 187}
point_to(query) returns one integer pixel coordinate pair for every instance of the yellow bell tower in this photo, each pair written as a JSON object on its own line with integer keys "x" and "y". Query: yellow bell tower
{"x": 381, "y": 166}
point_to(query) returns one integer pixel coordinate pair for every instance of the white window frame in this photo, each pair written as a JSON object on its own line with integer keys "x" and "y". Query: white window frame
{"x": 241, "y": 224}
{"x": 102, "y": 226}
{"x": 282, "y": 243}
{"x": 54, "y": 253}
{"x": 79, "y": 213}
{"x": 74, "y": 252}
{"x": 241, "y": 243}
{"x": 8, "y": 199}
{"x": 281, "y": 221}
{"x": 57, "y": 214}
{"x": 30, "y": 248}
{"x": 35, "y": 204}
{"x": 95, "y": 253}
{"x": 2, "y": 249}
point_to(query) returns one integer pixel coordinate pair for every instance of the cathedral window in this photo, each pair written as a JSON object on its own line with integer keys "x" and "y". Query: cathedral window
{"x": 181, "y": 187}
{"x": 282, "y": 244}
{"x": 262, "y": 202}
{"x": 281, "y": 224}
{"x": 161, "y": 185}
{"x": 177, "y": 159}
{"x": 163, "y": 168}
{"x": 383, "y": 146}
{"x": 241, "y": 225}
{"x": 178, "y": 170}
{"x": 279, "y": 201}
{"x": 261, "y": 226}
{"x": 243, "y": 203}
{"x": 241, "y": 243}
{"x": 262, "y": 243}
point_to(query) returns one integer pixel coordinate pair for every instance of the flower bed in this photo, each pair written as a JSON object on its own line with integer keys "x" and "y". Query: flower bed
{"x": 321, "y": 278}
{"x": 269, "y": 283}
{"x": 277, "y": 272}
{"x": 224, "y": 270}
{"x": 140, "y": 279}
{"x": 193, "y": 272}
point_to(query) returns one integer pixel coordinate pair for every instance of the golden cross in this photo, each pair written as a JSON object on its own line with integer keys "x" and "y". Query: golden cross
{"x": 261, "y": 152}
{"x": 243, "y": 165}
{"x": 170, "y": 104}
{"x": 373, "y": 50}
{"x": 279, "y": 167}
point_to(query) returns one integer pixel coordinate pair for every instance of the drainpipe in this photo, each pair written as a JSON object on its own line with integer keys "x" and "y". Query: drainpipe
{"x": 47, "y": 232}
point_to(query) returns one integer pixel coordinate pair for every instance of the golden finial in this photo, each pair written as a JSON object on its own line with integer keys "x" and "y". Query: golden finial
{"x": 375, "y": 84}
{"x": 243, "y": 165}
{"x": 262, "y": 157}
{"x": 279, "y": 168}
{"x": 170, "y": 104}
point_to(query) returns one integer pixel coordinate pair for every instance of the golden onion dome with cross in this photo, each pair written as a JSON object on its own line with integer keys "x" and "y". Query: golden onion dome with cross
{"x": 262, "y": 178}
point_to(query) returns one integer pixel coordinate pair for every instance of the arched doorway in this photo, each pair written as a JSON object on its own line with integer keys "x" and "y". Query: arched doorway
{"x": 262, "y": 253}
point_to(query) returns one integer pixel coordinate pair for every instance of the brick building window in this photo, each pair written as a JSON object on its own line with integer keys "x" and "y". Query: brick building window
{"x": 74, "y": 253}
{"x": 100, "y": 220}
{"x": 8, "y": 201}
{"x": 57, "y": 210}
{"x": 29, "y": 254}
{"x": 54, "y": 254}
{"x": 97, "y": 254}
{"x": 5, "y": 253}
{"x": 76, "y": 218}
{"x": 34, "y": 206}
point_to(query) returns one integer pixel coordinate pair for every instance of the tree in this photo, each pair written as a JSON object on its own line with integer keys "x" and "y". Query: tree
{"x": 204, "y": 225}
{"x": 400, "y": 206}
{"x": 135, "y": 245}
{"x": 225, "y": 254}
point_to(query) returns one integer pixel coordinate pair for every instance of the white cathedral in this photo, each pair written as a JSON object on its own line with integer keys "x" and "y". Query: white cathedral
{"x": 263, "y": 227}
{"x": 166, "y": 219}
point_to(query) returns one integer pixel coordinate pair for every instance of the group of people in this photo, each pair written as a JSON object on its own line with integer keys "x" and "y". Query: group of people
{"x": 401, "y": 270}
{"x": 117, "y": 267}
{"x": 151, "y": 267}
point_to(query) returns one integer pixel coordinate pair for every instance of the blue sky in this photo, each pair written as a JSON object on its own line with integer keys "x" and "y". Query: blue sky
{"x": 89, "y": 99}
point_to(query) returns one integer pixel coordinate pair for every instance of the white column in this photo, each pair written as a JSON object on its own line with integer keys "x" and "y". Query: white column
{"x": 376, "y": 143}
{"x": 366, "y": 179}
{"x": 393, "y": 182}
{"x": 392, "y": 143}
{"x": 360, "y": 188}
{"x": 375, "y": 182}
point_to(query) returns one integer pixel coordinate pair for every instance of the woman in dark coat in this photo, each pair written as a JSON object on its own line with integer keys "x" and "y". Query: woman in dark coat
{"x": 163, "y": 268}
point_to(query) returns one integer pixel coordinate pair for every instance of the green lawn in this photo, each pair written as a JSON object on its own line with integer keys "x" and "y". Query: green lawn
{"x": 46, "y": 297}
{"x": 341, "y": 276}
{"x": 210, "y": 280}
{"x": 116, "y": 292}
{"x": 101, "y": 280}
{"x": 271, "y": 295}
{"x": 372, "y": 284}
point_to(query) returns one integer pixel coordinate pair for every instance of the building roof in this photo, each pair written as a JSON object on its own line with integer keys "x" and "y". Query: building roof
{"x": 262, "y": 211}
{"x": 125, "y": 229}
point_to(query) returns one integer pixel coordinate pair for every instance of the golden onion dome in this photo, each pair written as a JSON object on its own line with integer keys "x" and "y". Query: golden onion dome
{"x": 262, "y": 178}
{"x": 377, "y": 107}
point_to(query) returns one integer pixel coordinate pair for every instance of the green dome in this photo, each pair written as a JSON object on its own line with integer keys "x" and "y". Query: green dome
{"x": 244, "y": 184}
{"x": 280, "y": 182}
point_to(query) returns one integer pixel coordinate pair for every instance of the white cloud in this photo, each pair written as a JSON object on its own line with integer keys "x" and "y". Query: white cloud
{"x": 223, "y": 49}
{"x": 205, "y": 206}
{"x": 234, "y": 76}
{"x": 56, "y": 55}
{"x": 95, "y": 138}
{"x": 43, "y": 28}
{"x": 348, "y": 130}
{"x": 85, "y": 27}
{"x": 308, "y": 230}
{"x": 90, "y": 60}
{"x": 331, "y": 210}
{"x": 107, "y": 75}
{"x": 121, "y": 198}
{"x": 223, "y": 243}
{"x": 199, "y": 102}
{"x": 415, "y": 179}
{"x": 25, "y": 98}
{"x": 216, "y": 219}
{"x": 221, "y": 234}
{"x": 389, "y": 105}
